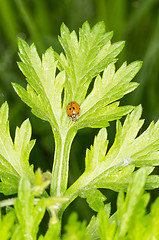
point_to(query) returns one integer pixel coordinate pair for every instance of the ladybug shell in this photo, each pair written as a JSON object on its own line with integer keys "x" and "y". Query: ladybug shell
{"x": 73, "y": 111}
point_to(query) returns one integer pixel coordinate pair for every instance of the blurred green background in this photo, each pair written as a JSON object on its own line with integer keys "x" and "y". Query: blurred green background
{"x": 38, "y": 21}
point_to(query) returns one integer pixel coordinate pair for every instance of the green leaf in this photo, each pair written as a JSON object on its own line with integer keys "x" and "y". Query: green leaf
{"x": 14, "y": 157}
{"x": 29, "y": 216}
{"x": 131, "y": 221}
{"x": 94, "y": 198}
{"x": 124, "y": 176}
{"x": 44, "y": 90}
{"x": 134, "y": 193}
{"x": 153, "y": 221}
{"x": 84, "y": 60}
{"x": 114, "y": 168}
{"x": 41, "y": 181}
{"x": 75, "y": 229}
{"x": 152, "y": 182}
{"x": 32, "y": 100}
{"x": 97, "y": 151}
{"x": 109, "y": 88}
{"x": 103, "y": 116}
{"x": 52, "y": 233}
{"x": 106, "y": 232}
{"x": 48, "y": 93}
{"x": 7, "y": 225}
{"x": 87, "y": 57}
{"x": 102, "y": 225}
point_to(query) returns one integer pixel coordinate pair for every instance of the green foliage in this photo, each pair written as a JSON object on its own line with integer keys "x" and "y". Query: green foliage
{"x": 7, "y": 225}
{"x": 44, "y": 89}
{"x": 113, "y": 169}
{"x": 52, "y": 233}
{"x": 29, "y": 216}
{"x": 41, "y": 182}
{"x": 52, "y": 83}
{"x": 14, "y": 157}
{"x": 94, "y": 198}
{"x": 75, "y": 229}
{"x": 131, "y": 221}
{"x": 85, "y": 58}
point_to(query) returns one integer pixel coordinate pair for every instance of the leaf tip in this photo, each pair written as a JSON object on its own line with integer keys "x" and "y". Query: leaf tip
{"x": 64, "y": 29}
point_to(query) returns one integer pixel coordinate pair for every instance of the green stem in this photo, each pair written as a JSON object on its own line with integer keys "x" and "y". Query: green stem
{"x": 73, "y": 191}
{"x": 61, "y": 163}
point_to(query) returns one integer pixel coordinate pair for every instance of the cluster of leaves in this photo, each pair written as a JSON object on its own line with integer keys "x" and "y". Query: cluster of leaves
{"x": 47, "y": 94}
{"x": 130, "y": 221}
{"x": 84, "y": 60}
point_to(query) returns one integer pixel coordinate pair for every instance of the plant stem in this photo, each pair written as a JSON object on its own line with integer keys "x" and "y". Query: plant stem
{"x": 61, "y": 163}
{"x": 72, "y": 192}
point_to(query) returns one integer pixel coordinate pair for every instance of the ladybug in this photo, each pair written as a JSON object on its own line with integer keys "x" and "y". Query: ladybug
{"x": 73, "y": 111}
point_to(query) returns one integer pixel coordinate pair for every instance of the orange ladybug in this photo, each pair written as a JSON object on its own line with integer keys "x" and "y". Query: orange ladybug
{"x": 73, "y": 111}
